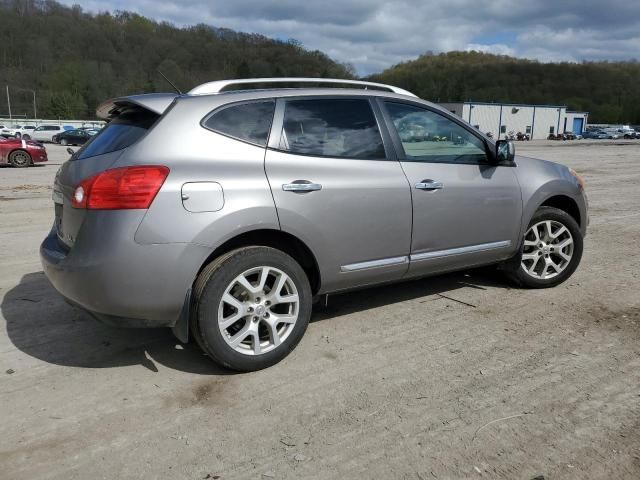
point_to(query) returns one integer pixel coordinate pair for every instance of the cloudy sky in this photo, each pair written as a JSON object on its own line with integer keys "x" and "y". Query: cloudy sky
{"x": 375, "y": 34}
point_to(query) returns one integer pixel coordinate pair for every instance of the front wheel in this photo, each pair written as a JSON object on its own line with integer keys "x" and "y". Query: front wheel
{"x": 19, "y": 158}
{"x": 251, "y": 308}
{"x": 550, "y": 252}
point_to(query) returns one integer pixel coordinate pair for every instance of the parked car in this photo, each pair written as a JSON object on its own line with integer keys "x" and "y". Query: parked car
{"x": 223, "y": 215}
{"x": 21, "y": 152}
{"x": 595, "y": 134}
{"x": 45, "y": 133}
{"x": 19, "y": 131}
{"x": 629, "y": 134}
{"x": 72, "y": 137}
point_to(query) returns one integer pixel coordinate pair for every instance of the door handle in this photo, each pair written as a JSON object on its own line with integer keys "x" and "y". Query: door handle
{"x": 429, "y": 185}
{"x": 301, "y": 186}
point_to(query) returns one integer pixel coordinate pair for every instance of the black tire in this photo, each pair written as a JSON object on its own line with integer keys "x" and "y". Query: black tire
{"x": 18, "y": 135}
{"x": 516, "y": 272}
{"x": 20, "y": 159}
{"x": 209, "y": 288}
{"x": 26, "y": 137}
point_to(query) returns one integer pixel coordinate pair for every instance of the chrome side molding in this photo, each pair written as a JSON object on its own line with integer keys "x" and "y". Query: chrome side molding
{"x": 460, "y": 251}
{"x": 385, "y": 262}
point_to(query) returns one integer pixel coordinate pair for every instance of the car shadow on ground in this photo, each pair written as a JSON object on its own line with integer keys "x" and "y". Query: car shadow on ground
{"x": 40, "y": 324}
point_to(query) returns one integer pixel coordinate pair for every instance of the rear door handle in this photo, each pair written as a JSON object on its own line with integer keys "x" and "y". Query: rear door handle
{"x": 429, "y": 185}
{"x": 301, "y": 186}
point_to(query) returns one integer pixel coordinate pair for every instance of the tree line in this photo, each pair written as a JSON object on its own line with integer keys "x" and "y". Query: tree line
{"x": 609, "y": 91}
{"x": 73, "y": 60}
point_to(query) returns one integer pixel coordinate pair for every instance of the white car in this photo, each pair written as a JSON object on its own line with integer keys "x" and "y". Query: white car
{"x": 19, "y": 131}
{"x": 45, "y": 133}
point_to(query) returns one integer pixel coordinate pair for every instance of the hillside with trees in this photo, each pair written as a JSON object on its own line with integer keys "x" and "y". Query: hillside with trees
{"x": 610, "y": 91}
{"x": 73, "y": 60}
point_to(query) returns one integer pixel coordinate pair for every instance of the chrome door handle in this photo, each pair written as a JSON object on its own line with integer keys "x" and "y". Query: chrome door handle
{"x": 429, "y": 185}
{"x": 301, "y": 187}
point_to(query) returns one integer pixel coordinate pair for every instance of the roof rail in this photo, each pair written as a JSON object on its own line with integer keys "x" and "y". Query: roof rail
{"x": 219, "y": 85}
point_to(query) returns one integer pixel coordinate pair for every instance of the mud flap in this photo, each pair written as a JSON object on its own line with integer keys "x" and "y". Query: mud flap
{"x": 181, "y": 328}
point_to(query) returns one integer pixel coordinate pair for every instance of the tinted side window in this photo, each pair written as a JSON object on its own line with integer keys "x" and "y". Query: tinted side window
{"x": 250, "y": 122}
{"x": 123, "y": 131}
{"x": 332, "y": 128}
{"x": 429, "y": 136}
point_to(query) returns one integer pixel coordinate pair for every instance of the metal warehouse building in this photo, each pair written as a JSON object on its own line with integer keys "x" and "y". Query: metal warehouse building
{"x": 537, "y": 120}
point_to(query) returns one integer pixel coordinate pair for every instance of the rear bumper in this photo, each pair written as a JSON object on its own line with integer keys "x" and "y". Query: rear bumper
{"x": 121, "y": 282}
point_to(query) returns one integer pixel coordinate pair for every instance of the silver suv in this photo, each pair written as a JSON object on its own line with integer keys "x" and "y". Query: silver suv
{"x": 225, "y": 214}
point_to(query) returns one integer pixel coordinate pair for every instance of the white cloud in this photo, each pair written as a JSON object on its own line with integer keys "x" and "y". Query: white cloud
{"x": 374, "y": 34}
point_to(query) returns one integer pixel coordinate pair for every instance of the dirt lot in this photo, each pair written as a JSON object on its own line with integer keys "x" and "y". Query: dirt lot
{"x": 400, "y": 382}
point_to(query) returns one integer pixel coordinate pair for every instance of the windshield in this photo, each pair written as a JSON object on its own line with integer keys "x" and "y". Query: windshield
{"x": 119, "y": 134}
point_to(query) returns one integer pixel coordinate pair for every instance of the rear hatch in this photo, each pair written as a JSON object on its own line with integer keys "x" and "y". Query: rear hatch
{"x": 130, "y": 118}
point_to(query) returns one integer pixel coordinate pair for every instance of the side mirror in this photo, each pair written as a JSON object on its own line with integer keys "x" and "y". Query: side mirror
{"x": 505, "y": 151}
{"x": 70, "y": 151}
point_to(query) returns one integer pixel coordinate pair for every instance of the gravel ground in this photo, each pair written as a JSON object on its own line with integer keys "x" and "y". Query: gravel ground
{"x": 457, "y": 376}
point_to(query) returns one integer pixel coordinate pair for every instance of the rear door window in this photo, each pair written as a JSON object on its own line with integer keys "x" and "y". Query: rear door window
{"x": 249, "y": 122}
{"x": 338, "y": 128}
{"x": 120, "y": 133}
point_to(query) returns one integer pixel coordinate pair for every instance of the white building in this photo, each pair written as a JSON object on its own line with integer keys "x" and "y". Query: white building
{"x": 537, "y": 120}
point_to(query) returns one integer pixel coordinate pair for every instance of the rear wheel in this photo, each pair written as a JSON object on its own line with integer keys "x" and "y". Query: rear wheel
{"x": 19, "y": 158}
{"x": 252, "y": 307}
{"x": 550, "y": 252}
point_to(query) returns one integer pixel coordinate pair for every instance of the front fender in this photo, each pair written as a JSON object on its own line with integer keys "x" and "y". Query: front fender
{"x": 540, "y": 181}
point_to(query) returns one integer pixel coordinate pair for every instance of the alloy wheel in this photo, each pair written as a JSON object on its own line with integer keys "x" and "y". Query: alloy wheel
{"x": 548, "y": 249}
{"x": 20, "y": 158}
{"x": 258, "y": 310}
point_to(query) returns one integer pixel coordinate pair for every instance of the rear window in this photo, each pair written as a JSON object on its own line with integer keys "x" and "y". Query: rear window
{"x": 120, "y": 133}
{"x": 249, "y": 122}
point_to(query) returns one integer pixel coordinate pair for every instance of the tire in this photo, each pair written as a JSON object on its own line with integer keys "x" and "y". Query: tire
{"x": 543, "y": 248}
{"x": 26, "y": 137}
{"x": 64, "y": 142}
{"x": 18, "y": 135}
{"x": 241, "y": 332}
{"x": 20, "y": 159}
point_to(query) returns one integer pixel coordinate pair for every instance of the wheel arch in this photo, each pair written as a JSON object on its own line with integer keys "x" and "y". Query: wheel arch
{"x": 283, "y": 241}
{"x": 566, "y": 204}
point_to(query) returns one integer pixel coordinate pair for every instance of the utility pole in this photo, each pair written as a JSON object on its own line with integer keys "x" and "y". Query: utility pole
{"x": 8, "y": 102}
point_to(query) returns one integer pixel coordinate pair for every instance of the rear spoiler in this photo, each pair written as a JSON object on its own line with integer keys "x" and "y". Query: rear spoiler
{"x": 154, "y": 102}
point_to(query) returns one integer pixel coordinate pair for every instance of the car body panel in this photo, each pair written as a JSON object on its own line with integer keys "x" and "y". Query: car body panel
{"x": 108, "y": 273}
{"x": 474, "y": 210}
{"x": 341, "y": 222}
{"x": 238, "y": 167}
{"x": 541, "y": 180}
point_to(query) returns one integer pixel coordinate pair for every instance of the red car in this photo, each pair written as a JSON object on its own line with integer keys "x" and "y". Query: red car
{"x": 21, "y": 153}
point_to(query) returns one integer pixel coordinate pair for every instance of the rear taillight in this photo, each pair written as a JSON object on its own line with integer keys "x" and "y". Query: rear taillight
{"x": 120, "y": 188}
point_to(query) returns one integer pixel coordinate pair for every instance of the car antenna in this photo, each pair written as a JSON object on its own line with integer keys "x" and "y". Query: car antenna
{"x": 170, "y": 82}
